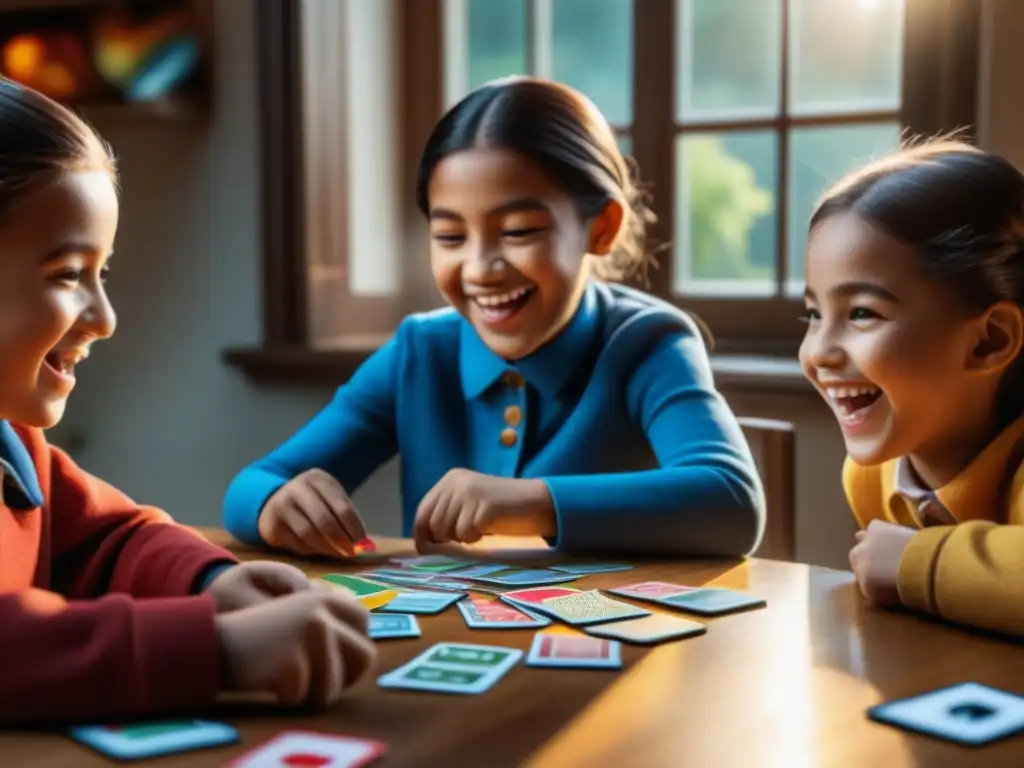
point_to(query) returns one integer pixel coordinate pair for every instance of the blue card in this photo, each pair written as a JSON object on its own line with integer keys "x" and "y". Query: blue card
{"x": 421, "y": 602}
{"x": 386, "y": 626}
{"x": 582, "y": 569}
{"x": 526, "y": 578}
{"x": 484, "y": 569}
{"x": 969, "y": 714}
{"x": 144, "y": 740}
{"x": 711, "y": 602}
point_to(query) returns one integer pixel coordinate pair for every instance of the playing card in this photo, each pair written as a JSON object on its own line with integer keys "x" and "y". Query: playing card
{"x": 484, "y": 569}
{"x": 154, "y": 739}
{"x": 589, "y": 607}
{"x": 436, "y": 563}
{"x": 582, "y": 569}
{"x": 557, "y": 650}
{"x": 647, "y": 630}
{"x": 513, "y": 577}
{"x": 354, "y": 584}
{"x": 397, "y": 574}
{"x": 481, "y": 613}
{"x": 422, "y": 602}
{"x": 649, "y": 590}
{"x": 533, "y": 597}
{"x": 305, "y": 748}
{"x": 969, "y": 714}
{"x": 712, "y": 602}
{"x": 386, "y": 626}
{"x": 454, "y": 668}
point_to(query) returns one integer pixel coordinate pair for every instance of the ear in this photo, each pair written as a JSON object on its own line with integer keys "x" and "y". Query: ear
{"x": 1000, "y": 338}
{"x": 604, "y": 228}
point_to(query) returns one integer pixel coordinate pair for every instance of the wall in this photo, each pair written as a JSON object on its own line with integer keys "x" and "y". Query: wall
{"x": 158, "y": 414}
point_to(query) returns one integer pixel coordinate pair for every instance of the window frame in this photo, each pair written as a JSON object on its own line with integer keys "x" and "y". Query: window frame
{"x": 940, "y": 66}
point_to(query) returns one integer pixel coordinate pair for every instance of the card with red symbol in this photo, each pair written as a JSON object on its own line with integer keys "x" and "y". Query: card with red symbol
{"x": 306, "y": 749}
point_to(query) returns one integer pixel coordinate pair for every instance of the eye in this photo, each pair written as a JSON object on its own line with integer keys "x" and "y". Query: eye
{"x": 449, "y": 238}
{"x": 863, "y": 313}
{"x": 810, "y": 315}
{"x": 67, "y": 275}
{"x": 104, "y": 274}
{"x": 522, "y": 233}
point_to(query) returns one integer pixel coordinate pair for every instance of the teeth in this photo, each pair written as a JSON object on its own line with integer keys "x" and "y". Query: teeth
{"x": 837, "y": 393}
{"x": 504, "y": 298}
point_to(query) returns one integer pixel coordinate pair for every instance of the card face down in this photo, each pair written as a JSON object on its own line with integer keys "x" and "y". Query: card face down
{"x": 969, "y": 714}
{"x": 422, "y": 602}
{"x": 514, "y": 577}
{"x": 291, "y": 749}
{"x": 648, "y": 630}
{"x": 712, "y": 602}
{"x": 649, "y": 590}
{"x": 454, "y": 668}
{"x": 489, "y": 613}
{"x": 145, "y": 740}
{"x": 386, "y": 626}
{"x": 582, "y": 569}
{"x": 574, "y": 651}
{"x": 590, "y": 607}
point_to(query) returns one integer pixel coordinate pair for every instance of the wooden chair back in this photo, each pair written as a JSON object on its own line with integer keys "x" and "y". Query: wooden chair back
{"x": 773, "y": 444}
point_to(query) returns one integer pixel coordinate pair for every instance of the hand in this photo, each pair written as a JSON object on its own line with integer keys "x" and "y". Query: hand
{"x": 876, "y": 561}
{"x": 464, "y": 506}
{"x": 255, "y": 582}
{"x": 311, "y": 515}
{"x": 306, "y": 648}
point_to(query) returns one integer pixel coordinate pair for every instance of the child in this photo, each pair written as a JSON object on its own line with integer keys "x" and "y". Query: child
{"x": 915, "y": 285}
{"x": 107, "y": 608}
{"x": 543, "y": 402}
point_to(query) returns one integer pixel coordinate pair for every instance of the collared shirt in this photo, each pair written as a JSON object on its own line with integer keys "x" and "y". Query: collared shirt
{"x": 617, "y": 414}
{"x": 928, "y": 509}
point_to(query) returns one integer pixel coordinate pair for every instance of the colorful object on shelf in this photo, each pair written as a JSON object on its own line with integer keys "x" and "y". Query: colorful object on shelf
{"x": 52, "y": 62}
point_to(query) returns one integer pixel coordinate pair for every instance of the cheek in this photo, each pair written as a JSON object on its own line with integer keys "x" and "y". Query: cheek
{"x": 444, "y": 265}
{"x": 31, "y": 324}
{"x": 909, "y": 363}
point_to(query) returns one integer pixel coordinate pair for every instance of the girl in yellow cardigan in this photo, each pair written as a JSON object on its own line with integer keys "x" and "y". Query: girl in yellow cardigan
{"x": 915, "y": 311}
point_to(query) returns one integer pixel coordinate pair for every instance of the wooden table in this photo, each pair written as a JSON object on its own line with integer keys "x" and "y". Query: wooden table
{"x": 783, "y": 686}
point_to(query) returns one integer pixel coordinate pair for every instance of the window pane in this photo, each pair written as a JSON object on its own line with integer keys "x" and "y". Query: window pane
{"x": 592, "y": 50}
{"x": 818, "y": 157}
{"x": 625, "y": 142}
{"x": 725, "y": 222}
{"x": 847, "y": 55}
{"x": 497, "y": 39}
{"x": 728, "y": 56}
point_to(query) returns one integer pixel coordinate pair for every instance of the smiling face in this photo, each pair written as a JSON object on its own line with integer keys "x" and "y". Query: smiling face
{"x": 888, "y": 349}
{"x": 54, "y": 248}
{"x": 509, "y": 249}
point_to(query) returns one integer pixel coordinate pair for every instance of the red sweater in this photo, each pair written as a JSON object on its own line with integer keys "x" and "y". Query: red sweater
{"x": 75, "y": 640}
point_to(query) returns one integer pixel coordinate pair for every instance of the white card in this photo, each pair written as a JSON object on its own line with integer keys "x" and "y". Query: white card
{"x": 422, "y": 602}
{"x": 290, "y": 747}
{"x": 453, "y": 668}
{"x": 581, "y": 651}
{"x": 384, "y": 626}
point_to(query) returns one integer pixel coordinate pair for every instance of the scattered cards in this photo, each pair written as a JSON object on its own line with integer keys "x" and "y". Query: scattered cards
{"x": 969, "y": 714}
{"x": 358, "y": 586}
{"x": 582, "y": 569}
{"x": 514, "y": 577}
{"x": 581, "y": 651}
{"x": 435, "y": 563}
{"x": 488, "y": 613}
{"x": 155, "y": 739}
{"x": 533, "y": 597}
{"x": 648, "y": 630}
{"x": 650, "y": 590}
{"x": 705, "y": 601}
{"x": 305, "y": 748}
{"x": 590, "y": 607}
{"x": 484, "y": 569}
{"x": 422, "y": 602}
{"x": 454, "y": 668}
{"x": 386, "y": 626}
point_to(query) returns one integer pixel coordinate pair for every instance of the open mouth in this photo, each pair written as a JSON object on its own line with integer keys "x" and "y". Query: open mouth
{"x": 499, "y": 308}
{"x": 853, "y": 405}
{"x": 63, "y": 362}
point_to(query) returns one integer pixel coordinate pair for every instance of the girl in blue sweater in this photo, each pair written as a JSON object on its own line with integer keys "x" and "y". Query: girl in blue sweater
{"x": 545, "y": 400}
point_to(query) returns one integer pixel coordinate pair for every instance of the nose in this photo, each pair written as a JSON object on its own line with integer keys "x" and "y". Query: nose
{"x": 484, "y": 261}
{"x": 98, "y": 319}
{"x": 822, "y": 350}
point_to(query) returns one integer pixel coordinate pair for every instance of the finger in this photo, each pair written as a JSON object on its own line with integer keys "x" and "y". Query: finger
{"x": 424, "y": 514}
{"x": 285, "y": 538}
{"x": 324, "y": 662}
{"x": 279, "y": 579}
{"x": 859, "y": 535}
{"x": 357, "y": 655}
{"x": 442, "y": 523}
{"x": 292, "y": 683}
{"x": 467, "y": 526}
{"x": 307, "y": 509}
{"x": 346, "y": 609}
{"x": 341, "y": 524}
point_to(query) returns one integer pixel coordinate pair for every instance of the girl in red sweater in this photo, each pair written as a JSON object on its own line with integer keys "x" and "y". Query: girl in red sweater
{"x": 108, "y": 608}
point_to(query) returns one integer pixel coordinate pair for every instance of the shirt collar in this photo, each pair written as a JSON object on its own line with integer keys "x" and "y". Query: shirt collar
{"x": 550, "y": 369}
{"x": 976, "y": 493}
{"x": 19, "y": 485}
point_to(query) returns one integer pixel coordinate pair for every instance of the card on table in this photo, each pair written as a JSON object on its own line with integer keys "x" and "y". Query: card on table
{"x": 484, "y": 569}
{"x": 514, "y": 577}
{"x": 488, "y": 613}
{"x": 582, "y": 569}
{"x": 387, "y": 626}
{"x": 154, "y": 739}
{"x": 454, "y": 668}
{"x": 422, "y": 602}
{"x": 357, "y": 585}
{"x": 590, "y": 607}
{"x": 583, "y": 651}
{"x": 969, "y": 714}
{"x": 712, "y": 602}
{"x": 537, "y": 595}
{"x": 648, "y": 630}
{"x": 649, "y": 590}
{"x": 435, "y": 563}
{"x": 306, "y": 748}
{"x": 397, "y": 574}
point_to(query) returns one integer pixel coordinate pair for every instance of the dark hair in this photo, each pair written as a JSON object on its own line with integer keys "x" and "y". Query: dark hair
{"x": 39, "y": 140}
{"x": 562, "y": 131}
{"x": 963, "y": 210}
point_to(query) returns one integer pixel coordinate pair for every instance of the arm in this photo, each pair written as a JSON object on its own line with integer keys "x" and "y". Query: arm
{"x": 349, "y": 439}
{"x": 970, "y": 574}
{"x": 706, "y": 499}
{"x": 104, "y": 658}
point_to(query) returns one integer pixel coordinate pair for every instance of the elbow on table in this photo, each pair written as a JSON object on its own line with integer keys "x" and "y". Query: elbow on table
{"x": 736, "y": 523}
{"x": 243, "y": 501}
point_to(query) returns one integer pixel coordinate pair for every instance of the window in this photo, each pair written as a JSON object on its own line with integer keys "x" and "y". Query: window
{"x": 739, "y": 113}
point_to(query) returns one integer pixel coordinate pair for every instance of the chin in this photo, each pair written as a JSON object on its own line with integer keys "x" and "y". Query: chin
{"x": 42, "y": 414}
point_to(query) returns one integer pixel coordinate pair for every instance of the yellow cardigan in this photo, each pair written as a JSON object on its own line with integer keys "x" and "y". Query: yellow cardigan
{"x": 971, "y": 573}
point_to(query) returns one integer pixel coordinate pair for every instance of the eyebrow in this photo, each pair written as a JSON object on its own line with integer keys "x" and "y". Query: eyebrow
{"x": 512, "y": 206}
{"x": 71, "y": 249}
{"x": 858, "y": 288}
